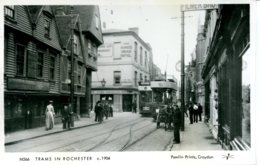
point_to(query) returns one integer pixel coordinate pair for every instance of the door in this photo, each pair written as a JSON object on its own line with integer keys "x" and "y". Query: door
{"x": 127, "y": 103}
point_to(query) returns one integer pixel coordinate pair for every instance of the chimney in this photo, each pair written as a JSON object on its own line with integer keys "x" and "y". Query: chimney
{"x": 134, "y": 29}
{"x": 59, "y": 10}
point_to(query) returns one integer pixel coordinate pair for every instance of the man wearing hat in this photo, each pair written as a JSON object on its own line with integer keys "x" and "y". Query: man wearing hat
{"x": 176, "y": 123}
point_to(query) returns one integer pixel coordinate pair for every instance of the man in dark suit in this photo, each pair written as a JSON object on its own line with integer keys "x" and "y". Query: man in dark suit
{"x": 191, "y": 113}
{"x": 200, "y": 111}
{"x": 65, "y": 117}
{"x": 176, "y": 123}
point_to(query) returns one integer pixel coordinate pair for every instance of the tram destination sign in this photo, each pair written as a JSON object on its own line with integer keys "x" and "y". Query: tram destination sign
{"x": 195, "y": 7}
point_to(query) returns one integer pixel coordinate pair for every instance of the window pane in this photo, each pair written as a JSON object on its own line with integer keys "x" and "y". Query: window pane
{"x": 52, "y": 67}
{"x": 47, "y": 27}
{"x": 9, "y": 11}
{"x": 40, "y": 64}
{"x": 97, "y": 21}
{"x": 20, "y": 59}
{"x": 117, "y": 77}
{"x": 136, "y": 51}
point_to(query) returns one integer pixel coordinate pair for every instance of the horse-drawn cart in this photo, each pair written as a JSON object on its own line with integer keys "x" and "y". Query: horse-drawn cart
{"x": 163, "y": 116}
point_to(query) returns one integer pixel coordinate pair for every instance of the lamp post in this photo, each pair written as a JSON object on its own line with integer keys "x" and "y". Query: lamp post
{"x": 182, "y": 72}
{"x": 103, "y": 82}
{"x": 72, "y": 64}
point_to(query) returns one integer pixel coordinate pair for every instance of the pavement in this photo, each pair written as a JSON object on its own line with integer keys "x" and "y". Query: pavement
{"x": 18, "y": 136}
{"x": 196, "y": 136}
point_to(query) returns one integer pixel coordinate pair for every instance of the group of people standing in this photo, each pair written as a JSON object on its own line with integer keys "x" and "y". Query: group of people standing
{"x": 195, "y": 112}
{"x": 67, "y": 116}
{"x": 103, "y": 109}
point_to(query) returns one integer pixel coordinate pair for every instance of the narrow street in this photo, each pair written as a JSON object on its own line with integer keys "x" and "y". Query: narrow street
{"x": 123, "y": 132}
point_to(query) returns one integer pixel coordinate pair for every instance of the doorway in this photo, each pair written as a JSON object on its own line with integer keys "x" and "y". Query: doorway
{"x": 127, "y": 103}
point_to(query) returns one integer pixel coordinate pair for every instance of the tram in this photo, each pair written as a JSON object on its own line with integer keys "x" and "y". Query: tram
{"x": 154, "y": 95}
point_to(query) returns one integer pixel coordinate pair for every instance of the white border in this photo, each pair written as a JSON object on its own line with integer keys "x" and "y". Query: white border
{"x": 246, "y": 157}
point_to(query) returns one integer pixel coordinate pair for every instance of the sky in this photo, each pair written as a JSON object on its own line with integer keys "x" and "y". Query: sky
{"x": 160, "y": 26}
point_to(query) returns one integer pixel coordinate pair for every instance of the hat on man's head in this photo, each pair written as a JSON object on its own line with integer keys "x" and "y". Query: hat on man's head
{"x": 50, "y": 101}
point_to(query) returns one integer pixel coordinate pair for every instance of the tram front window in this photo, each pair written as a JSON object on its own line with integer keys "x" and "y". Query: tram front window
{"x": 158, "y": 96}
{"x": 146, "y": 96}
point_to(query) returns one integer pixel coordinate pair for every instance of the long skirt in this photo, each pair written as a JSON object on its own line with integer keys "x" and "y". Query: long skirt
{"x": 49, "y": 120}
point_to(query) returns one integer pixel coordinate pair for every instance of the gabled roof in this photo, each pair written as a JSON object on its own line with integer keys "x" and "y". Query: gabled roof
{"x": 64, "y": 27}
{"x": 34, "y": 13}
{"x": 87, "y": 17}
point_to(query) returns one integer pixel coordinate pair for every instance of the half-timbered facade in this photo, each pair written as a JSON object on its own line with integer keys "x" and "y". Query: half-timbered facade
{"x": 37, "y": 54}
{"x": 32, "y": 55}
{"x": 87, "y": 36}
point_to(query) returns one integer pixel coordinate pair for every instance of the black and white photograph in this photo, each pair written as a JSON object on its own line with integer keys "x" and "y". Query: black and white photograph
{"x": 102, "y": 82}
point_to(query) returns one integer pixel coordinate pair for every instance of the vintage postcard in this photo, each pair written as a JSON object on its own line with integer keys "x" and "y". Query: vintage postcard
{"x": 112, "y": 82}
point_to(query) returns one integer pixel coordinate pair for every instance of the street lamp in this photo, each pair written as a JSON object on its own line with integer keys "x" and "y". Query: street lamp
{"x": 103, "y": 82}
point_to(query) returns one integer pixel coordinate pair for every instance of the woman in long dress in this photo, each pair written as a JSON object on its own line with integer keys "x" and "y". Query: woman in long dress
{"x": 49, "y": 116}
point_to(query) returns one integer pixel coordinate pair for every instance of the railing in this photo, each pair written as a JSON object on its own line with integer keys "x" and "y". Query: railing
{"x": 239, "y": 144}
{"x": 226, "y": 137}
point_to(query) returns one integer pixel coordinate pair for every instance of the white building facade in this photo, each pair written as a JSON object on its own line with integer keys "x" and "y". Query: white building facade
{"x": 123, "y": 63}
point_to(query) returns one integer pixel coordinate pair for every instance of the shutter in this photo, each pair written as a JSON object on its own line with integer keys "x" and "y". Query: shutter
{"x": 31, "y": 63}
{"x": 83, "y": 76}
{"x": 63, "y": 69}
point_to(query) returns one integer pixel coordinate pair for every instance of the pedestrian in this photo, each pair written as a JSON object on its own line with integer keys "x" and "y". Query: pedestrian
{"x": 106, "y": 109}
{"x": 65, "y": 117}
{"x": 191, "y": 113}
{"x": 96, "y": 110}
{"x": 49, "y": 116}
{"x": 28, "y": 119}
{"x": 200, "y": 110}
{"x": 176, "y": 123}
{"x": 195, "y": 109}
{"x": 110, "y": 110}
{"x": 71, "y": 116}
{"x": 169, "y": 113}
{"x": 186, "y": 108}
{"x": 134, "y": 106}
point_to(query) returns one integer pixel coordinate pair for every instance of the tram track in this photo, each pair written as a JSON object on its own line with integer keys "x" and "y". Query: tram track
{"x": 128, "y": 144}
{"x": 82, "y": 141}
{"x": 74, "y": 136}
